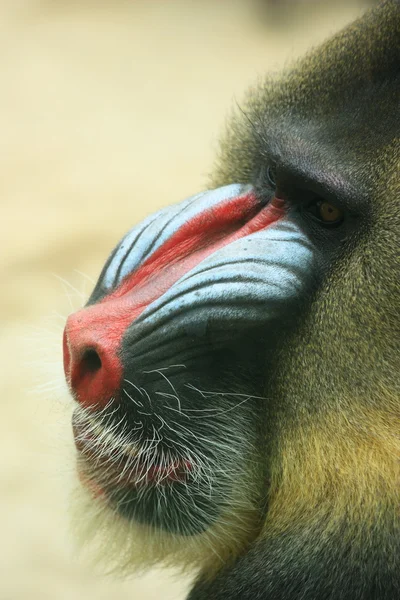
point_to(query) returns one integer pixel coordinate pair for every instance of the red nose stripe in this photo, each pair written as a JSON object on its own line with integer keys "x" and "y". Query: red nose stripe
{"x": 200, "y": 237}
{"x": 102, "y": 325}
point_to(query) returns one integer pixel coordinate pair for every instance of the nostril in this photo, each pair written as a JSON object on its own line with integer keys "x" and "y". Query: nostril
{"x": 88, "y": 378}
{"x": 92, "y": 366}
{"x": 90, "y": 361}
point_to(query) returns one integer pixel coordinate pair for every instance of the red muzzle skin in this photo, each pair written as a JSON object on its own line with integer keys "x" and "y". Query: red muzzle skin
{"x": 93, "y": 336}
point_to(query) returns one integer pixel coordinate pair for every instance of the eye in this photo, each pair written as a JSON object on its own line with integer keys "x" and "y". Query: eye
{"x": 326, "y": 213}
{"x": 271, "y": 176}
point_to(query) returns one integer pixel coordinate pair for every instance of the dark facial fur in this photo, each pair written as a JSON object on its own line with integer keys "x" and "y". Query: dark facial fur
{"x": 236, "y": 368}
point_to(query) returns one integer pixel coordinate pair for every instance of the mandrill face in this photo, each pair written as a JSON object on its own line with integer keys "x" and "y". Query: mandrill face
{"x": 170, "y": 361}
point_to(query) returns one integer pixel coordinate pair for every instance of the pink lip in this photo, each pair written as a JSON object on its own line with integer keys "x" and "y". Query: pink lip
{"x": 85, "y": 443}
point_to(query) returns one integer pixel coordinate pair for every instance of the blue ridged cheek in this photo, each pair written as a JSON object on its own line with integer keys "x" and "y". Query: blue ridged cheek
{"x": 248, "y": 281}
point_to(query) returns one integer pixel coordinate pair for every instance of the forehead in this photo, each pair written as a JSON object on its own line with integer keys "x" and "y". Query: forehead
{"x": 343, "y": 134}
{"x": 351, "y": 119}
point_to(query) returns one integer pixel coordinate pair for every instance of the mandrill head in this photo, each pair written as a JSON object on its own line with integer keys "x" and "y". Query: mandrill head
{"x": 170, "y": 362}
{"x": 235, "y": 371}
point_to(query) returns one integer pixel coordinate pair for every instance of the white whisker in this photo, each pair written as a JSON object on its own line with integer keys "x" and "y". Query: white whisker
{"x": 137, "y": 402}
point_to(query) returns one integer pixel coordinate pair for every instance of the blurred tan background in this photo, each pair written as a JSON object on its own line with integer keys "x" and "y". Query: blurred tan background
{"x": 108, "y": 110}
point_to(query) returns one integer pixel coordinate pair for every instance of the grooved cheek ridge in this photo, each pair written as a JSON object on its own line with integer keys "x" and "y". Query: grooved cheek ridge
{"x": 201, "y": 236}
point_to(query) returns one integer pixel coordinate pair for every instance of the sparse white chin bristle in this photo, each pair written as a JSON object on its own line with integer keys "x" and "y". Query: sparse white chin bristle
{"x": 107, "y": 438}
{"x": 131, "y": 449}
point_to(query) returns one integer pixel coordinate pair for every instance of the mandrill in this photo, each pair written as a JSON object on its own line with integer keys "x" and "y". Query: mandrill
{"x": 236, "y": 369}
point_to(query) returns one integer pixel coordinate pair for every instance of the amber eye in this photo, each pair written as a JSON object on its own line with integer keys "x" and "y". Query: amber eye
{"x": 327, "y": 213}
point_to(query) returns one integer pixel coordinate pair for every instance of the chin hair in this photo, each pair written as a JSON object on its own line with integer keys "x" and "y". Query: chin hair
{"x": 117, "y": 545}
